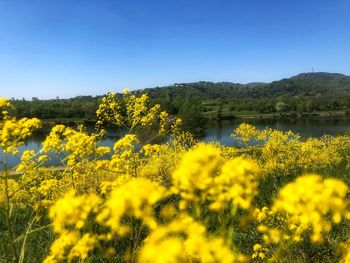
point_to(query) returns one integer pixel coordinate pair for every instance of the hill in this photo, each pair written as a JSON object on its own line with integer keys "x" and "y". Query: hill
{"x": 303, "y": 93}
{"x": 306, "y": 92}
{"x": 308, "y": 84}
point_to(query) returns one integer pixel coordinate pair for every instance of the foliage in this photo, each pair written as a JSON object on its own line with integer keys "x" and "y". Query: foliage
{"x": 191, "y": 115}
{"x": 300, "y": 95}
{"x": 277, "y": 198}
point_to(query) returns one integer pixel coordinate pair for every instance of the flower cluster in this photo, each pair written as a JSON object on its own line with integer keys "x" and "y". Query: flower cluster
{"x": 204, "y": 175}
{"x": 69, "y": 215}
{"x": 309, "y": 201}
{"x": 196, "y": 172}
{"x": 128, "y": 110}
{"x": 179, "y": 201}
{"x": 236, "y": 184}
{"x": 184, "y": 240}
{"x": 13, "y": 132}
{"x": 284, "y": 152}
{"x": 135, "y": 198}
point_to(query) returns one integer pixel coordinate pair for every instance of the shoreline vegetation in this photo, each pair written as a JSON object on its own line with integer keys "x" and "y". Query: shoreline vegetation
{"x": 229, "y": 116}
{"x": 291, "y": 115}
{"x": 144, "y": 200}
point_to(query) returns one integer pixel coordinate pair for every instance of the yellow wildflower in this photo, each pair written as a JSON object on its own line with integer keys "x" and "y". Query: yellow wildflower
{"x": 236, "y": 184}
{"x": 184, "y": 240}
{"x": 4, "y": 102}
{"x": 196, "y": 172}
{"x": 135, "y": 198}
{"x": 72, "y": 211}
{"x": 245, "y": 132}
{"x": 309, "y": 200}
{"x": 13, "y": 132}
{"x": 259, "y": 251}
{"x": 82, "y": 247}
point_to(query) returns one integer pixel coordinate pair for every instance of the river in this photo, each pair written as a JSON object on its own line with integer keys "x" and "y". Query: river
{"x": 220, "y": 131}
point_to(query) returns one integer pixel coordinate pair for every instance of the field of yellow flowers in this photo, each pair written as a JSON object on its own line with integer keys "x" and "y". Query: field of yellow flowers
{"x": 154, "y": 199}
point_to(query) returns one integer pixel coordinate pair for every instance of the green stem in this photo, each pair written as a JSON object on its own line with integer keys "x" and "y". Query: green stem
{"x": 7, "y": 213}
{"x": 198, "y": 210}
{"x": 32, "y": 231}
{"x": 135, "y": 165}
{"x": 22, "y": 253}
{"x": 132, "y": 241}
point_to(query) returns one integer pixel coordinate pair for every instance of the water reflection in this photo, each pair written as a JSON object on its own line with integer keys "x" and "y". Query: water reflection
{"x": 217, "y": 131}
{"x": 308, "y": 127}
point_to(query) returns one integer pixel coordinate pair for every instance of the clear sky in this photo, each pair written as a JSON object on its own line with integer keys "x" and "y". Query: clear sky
{"x": 67, "y": 48}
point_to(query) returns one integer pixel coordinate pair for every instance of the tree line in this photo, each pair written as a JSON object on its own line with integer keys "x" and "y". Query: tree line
{"x": 196, "y": 102}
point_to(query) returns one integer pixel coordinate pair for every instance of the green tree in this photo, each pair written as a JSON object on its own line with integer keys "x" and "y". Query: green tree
{"x": 191, "y": 115}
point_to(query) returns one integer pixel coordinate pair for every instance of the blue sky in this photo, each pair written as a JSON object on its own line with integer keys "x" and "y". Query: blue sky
{"x": 67, "y": 48}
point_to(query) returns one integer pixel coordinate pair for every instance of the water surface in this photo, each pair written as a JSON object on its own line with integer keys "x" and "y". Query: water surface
{"x": 220, "y": 131}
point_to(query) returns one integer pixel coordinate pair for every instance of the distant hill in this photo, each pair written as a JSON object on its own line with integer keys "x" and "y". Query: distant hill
{"x": 306, "y": 92}
{"x": 309, "y": 84}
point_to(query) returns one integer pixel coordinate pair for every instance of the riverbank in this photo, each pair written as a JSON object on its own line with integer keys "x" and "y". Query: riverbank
{"x": 67, "y": 121}
{"x": 287, "y": 115}
{"x": 212, "y": 116}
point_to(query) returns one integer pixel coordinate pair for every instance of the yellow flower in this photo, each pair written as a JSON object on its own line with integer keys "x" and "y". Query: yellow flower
{"x": 135, "y": 198}
{"x": 13, "y": 132}
{"x": 54, "y": 139}
{"x": 77, "y": 144}
{"x": 73, "y": 211}
{"x": 184, "y": 240}
{"x": 309, "y": 200}
{"x": 82, "y": 247}
{"x": 125, "y": 157}
{"x": 259, "y": 251}
{"x": 151, "y": 149}
{"x": 176, "y": 126}
{"x": 110, "y": 110}
{"x": 245, "y": 132}
{"x": 236, "y": 184}
{"x": 164, "y": 121}
{"x": 59, "y": 247}
{"x": 138, "y": 112}
{"x": 196, "y": 172}
{"x": 261, "y": 214}
{"x": 4, "y": 102}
